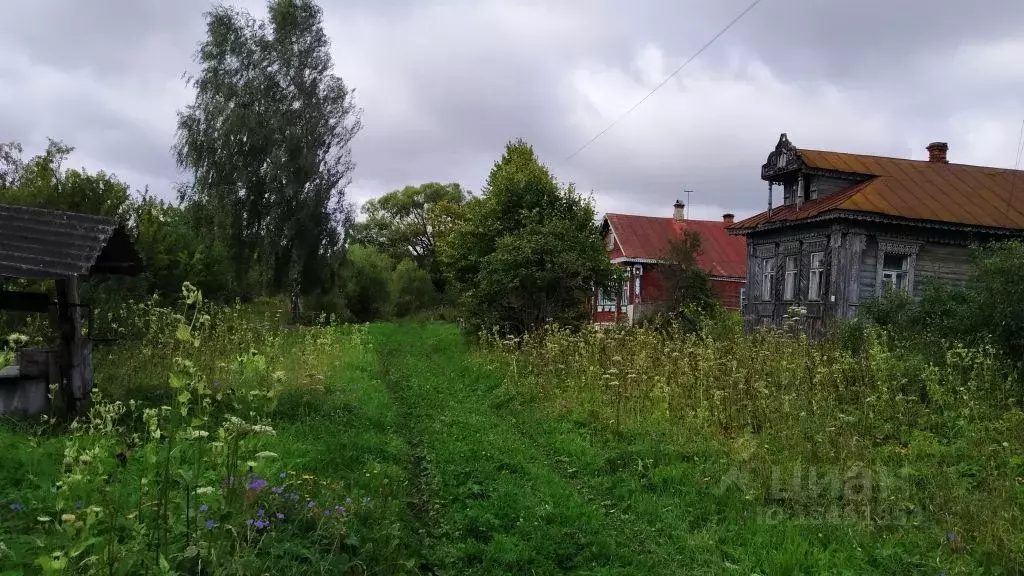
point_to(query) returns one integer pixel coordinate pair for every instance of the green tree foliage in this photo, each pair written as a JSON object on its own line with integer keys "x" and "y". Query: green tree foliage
{"x": 44, "y": 182}
{"x": 688, "y": 294}
{"x": 412, "y": 290}
{"x": 526, "y": 251}
{"x": 267, "y": 139}
{"x": 366, "y": 284}
{"x": 401, "y": 223}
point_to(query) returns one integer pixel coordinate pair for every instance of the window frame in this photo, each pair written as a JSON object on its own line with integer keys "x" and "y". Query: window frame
{"x": 816, "y": 273}
{"x": 790, "y": 278}
{"x": 907, "y": 249}
{"x": 767, "y": 279}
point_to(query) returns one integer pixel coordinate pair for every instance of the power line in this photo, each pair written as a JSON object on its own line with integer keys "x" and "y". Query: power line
{"x": 667, "y": 78}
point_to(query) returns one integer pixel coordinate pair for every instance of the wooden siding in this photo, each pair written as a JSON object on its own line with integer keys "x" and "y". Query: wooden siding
{"x": 941, "y": 263}
{"x": 822, "y": 186}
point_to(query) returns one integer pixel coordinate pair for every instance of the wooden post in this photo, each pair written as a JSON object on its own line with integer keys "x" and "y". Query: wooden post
{"x": 75, "y": 352}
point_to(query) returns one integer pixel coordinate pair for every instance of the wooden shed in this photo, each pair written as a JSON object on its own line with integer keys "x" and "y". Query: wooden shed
{"x": 38, "y": 244}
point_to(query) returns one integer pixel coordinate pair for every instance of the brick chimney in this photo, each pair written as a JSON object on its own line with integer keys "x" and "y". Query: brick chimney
{"x": 937, "y": 152}
{"x": 728, "y": 218}
{"x": 679, "y": 211}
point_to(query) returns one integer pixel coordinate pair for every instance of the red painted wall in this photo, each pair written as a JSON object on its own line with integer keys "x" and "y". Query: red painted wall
{"x": 653, "y": 289}
{"x": 728, "y": 292}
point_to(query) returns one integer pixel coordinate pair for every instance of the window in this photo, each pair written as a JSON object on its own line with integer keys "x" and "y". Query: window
{"x": 814, "y": 280}
{"x": 743, "y": 297}
{"x": 789, "y": 288}
{"x": 636, "y": 288}
{"x": 767, "y": 278}
{"x": 606, "y": 301}
{"x": 895, "y": 271}
{"x": 625, "y": 293}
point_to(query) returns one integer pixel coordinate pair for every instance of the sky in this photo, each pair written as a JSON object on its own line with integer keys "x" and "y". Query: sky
{"x": 444, "y": 84}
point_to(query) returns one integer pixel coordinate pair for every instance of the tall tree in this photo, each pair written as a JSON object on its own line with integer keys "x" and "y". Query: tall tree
{"x": 402, "y": 223}
{"x": 527, "y": 251}
{"x": 268, "y": 142}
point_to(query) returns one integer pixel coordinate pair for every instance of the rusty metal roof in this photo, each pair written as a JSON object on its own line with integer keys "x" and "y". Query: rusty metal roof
{"x": 47, "y": 244}
{"x": 650, "y": 237}
{"x": 914, "y": 189}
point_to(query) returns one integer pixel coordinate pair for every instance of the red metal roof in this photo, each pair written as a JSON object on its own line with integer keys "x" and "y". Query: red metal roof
{"x": 916, "y": 189}
{"x": 649, "y": 237}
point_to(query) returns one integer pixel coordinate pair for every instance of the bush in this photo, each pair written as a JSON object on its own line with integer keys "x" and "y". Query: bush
{"x": 366, "y": 284}
{"x": 412, "y": 290}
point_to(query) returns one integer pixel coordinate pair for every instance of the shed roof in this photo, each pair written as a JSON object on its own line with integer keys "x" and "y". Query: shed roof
{"x": 941, "y": 192}
{"x": 649, "y": 237}
{"x": 47, "y": 244}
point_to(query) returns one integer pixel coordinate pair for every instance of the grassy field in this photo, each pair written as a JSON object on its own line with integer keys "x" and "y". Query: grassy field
{"x": 400, "y": 449}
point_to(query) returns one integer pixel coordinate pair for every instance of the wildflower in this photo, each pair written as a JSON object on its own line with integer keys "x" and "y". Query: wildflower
{"x": 78, "y": 505}
{"x": 348, "y": 501}
{"x": 204, "y": 508}
{"x": 17, "y": 507}
{"x": 327, "y": 513}
{"x": 282, "y": 475}
{"x": 951, "y": 537}
{"x": 85, "y": 459}
{"x": 260, "y": 524}
{"x": 280, "y": 516}
{"x": 308, "y": 476}
{"x": 210, "y": 524}
{"x": 339, "y": 509}
{"x": 259, "y": 513}
{"x": 250, "y": 522}
{"x": 265, "y": 455}
{"x": 312, "y": 504}
{"x": 205, "y": 490}
{"x": 277, "y": 489}
{"x": 366, "y": 500}
{"x": 67, "y": 518}
{"x": 257, "y": 484}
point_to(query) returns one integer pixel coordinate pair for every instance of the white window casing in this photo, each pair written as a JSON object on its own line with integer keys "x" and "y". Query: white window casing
{"x": 897, "y": 259}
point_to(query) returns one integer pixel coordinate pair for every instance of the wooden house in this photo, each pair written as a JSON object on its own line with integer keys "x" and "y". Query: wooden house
{"x": 640, "y": 245}
{"x": 852, "y": 225}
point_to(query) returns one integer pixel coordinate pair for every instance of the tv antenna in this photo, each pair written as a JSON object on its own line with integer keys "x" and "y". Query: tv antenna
{"x": 687, "y": 209}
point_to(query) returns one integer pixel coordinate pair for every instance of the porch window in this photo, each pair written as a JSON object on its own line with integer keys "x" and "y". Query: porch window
{"x": 606, "y": 301}
{"x": 789, "y": 288}
{"x": 895, "y": 271}
{"x": 625, "y": 293}
{"x": 816, "y": 272}
{"x": 767, "y": 278}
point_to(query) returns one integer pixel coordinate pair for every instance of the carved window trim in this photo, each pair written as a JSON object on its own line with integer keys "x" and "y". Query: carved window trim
{"x": 901, "y": 247}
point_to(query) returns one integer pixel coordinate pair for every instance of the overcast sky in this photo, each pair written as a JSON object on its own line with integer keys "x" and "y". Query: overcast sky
{"x": 445, "y": 83}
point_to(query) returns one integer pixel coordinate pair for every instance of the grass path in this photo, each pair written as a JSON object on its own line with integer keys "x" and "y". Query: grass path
{"x": 498, "y": 486}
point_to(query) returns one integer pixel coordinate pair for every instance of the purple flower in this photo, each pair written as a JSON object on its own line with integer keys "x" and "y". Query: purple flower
{"x": 339, "y": 509}
{"x": 280, "y": 516}
{"x": 210, "y": 524}
{"x": 277, "y": 489}
{"x": 250, "y": 522}
{"x": 78, "y": 505}
{"x": 260, "y": 524}
{"x": 282, "y": 475}
{"x": 327, "y": 513}
{"x": 312, "y": 504}
{"x": 951, "y": 537}
{"x": 257, "y": 484}
{"x": 204, "y": 508}
{"x": 259, "y": 513}
{"x": 17, "y": 507}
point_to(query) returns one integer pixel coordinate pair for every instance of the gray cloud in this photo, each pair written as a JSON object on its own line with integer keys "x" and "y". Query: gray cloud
{"x": 444, "y": 85}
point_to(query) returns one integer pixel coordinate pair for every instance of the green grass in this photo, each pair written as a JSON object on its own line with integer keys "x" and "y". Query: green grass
{"x": 452, "y": 459}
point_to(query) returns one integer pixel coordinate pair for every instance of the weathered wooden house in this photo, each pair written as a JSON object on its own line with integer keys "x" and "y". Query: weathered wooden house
{"x": 851, "y": 226}
{"x": 640, "y": 245}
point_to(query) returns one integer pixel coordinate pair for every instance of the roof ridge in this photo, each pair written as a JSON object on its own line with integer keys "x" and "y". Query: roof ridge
{"x": 908, "y": 159}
